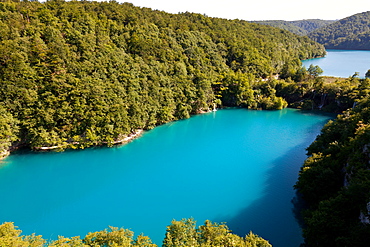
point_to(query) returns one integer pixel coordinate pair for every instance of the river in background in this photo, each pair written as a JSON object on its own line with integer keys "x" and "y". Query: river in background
{"x": 342, "y": 63}
{"x": 236, "y": 166}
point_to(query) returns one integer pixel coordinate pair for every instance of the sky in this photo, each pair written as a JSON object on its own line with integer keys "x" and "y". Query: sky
{"x": 249, "y": 10}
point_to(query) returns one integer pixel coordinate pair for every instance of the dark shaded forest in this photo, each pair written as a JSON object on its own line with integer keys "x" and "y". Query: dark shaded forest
{"x": 335, "y": 181}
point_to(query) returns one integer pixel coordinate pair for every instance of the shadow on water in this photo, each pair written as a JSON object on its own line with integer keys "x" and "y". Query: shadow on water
{"x": 275, "y": 216}
{"x": 298, "y": 206}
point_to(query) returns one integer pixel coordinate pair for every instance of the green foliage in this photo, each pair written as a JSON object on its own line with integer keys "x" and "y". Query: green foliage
{"x": 367, "y": 74}
{"x": 349, "y": 33}
{"x": 335, "y": 181}
{"x": 9, "y": 236}
{"x": 236, "y": 90}
{"x": 116, "y": 237}
{"x": 301, "y": 27}
{"x": 266, "y": 96}
{"x": 310, "y": 25}
{"x": 314, "y": 71}
{"x": 325, "y": 93}
{"x": 75, "y": 74}
{"x": 179, "y": 233}
{"x": 67, "y": 242}
{"x": 185, "y": 233}
{"x": 8, "y": 130}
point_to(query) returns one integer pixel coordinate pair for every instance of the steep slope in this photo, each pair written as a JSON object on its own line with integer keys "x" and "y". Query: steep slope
{"x": 349, "y": 33}
{"x": 80, "y": 73}
{"x": 335, "y": 181}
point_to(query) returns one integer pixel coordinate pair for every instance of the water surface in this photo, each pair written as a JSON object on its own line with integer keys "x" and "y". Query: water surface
{"x": 235, "y": 166}
{"x": 342, "y": 63}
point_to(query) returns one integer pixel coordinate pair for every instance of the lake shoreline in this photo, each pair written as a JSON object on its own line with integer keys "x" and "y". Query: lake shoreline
{"x": 342, "y": 63}
{"x": 160, "y": 173}
{"x": 124, "y": 140}
{"x": 121, "y": 141}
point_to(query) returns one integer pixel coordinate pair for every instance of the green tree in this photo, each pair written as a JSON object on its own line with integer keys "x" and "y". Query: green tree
{"x": 236, "y": 90}
{"x": 10, "y": 236}
{"x": 9, "y": 131}
{"x": 116, "y": 237}
{"x": 181, "y": 233}
{"x": 367, "y": 75}
{"x": 314, "y": 71}
{"x": 185, "y": 233}
{"x": 67, "y": 242}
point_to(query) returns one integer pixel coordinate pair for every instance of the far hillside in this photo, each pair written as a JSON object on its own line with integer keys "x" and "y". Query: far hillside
{"x": 351, "y": 33}
{"x": 300, "y": 27}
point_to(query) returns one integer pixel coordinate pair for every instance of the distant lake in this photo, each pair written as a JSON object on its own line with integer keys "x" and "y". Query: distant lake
{"x": 342, "y": 63}
{"x": 236, "y": 166}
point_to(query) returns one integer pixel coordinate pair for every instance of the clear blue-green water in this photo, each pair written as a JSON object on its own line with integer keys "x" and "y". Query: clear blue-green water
{"x": 342, "y": 63}
{"x": 235, "y": 166}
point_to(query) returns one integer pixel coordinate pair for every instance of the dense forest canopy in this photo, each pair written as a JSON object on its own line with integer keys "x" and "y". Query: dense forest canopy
{"x": 80, "y": 73}
{"x": 349, "y": 33}
{"x": 300, "y": 27}
{"x": 335, "y": 181}
{"x": 179, "y": 233}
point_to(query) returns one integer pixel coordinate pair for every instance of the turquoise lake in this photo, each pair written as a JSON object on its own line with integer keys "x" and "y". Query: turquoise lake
{"x": 342, "y": 63}
{"x": 236, "y": 166}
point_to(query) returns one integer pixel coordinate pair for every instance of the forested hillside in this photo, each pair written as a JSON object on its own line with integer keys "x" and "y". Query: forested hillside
{"x": 300, "y": 27}
{"x": 349, "y": 33}
{"x": 310, "y": 91}
{"x": 79, "y": 73}
{"x": 335, "y": 181}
